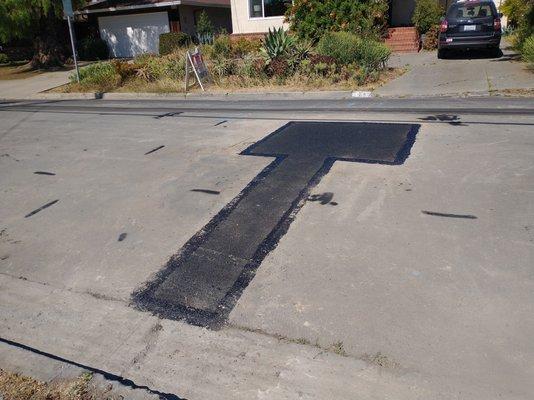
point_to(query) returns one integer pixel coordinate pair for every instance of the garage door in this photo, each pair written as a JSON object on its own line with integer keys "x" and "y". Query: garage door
{"x": 133, "y": 34}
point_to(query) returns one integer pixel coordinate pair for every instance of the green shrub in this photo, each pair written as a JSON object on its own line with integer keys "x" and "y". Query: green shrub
{"x": 205, "y": 29}
{"x": 313, "y": 18}
{"x": 100, "y": 76}
{"x": 171, "y": 66}
{"x": 175, "y": 65}
{"x": 372, "y": 55}
{"x": 4, "y": 59}
{"x": 431, "y": 38}
{"x": 149, "y": 68}
{"x": 242, "y": 46}
{"x": 301, "y": 49}
{"x": 221, "y": 67}
{"x": 347, "y": 48}
{"x": 317, "y": 64}
{"x": 343, "y": 46}
{"x": 252, "y": 67}
{"x": 222, "y": 46}
{"x": 427, "y": 13}
{"x": 525, "y": 27}
{"x": 92, "y": 48}
{"x": 172, "y": 41}
{"x": 528, "y": 51}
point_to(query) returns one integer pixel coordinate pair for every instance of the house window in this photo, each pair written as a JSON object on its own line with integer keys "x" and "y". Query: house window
{"x": 268, "y": 8}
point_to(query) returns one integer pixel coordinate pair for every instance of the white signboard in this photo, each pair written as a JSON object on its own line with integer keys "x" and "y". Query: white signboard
{"x": 67, "y": 8}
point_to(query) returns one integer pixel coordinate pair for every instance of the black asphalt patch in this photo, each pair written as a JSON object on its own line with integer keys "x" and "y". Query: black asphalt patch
{"x": 154, "y": 150}
{"x": 202, "y": 283}
{"x": 207, "y": 191}
{"x": 446, "y": 215}
{"x": 41, "y": 208}
{"x": 44, "y": 173}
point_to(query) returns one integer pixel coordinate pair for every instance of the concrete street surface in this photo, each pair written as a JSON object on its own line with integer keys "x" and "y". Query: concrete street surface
{"x": 387, "y": 280}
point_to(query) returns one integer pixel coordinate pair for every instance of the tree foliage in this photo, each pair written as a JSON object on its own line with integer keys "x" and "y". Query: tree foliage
{"x": 521, "y": 15}
{"x": 38, "y": 20}
{"x": 204, "y": 24}
{"x": 514, "y": 10}
{"x": 21, "y": 18}
{"x": 427, "y": 13}
{"x": 313, "y": 18}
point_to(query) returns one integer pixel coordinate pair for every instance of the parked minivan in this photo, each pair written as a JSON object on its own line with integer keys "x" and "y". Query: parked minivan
{"x": 470, "y": 24}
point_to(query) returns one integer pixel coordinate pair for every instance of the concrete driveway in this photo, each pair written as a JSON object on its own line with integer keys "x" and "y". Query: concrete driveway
{"x": 473, "y": 73}
{"x": 409, "y": 278}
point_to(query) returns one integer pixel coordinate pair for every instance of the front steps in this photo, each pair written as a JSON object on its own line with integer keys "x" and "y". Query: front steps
{"x": 403, "y": 40}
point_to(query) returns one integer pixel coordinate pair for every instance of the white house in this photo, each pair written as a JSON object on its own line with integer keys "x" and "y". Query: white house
{"x": 257, "y": 16}
{"x": 132, "y": 27}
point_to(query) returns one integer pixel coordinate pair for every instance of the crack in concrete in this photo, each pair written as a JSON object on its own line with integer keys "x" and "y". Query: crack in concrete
{"x": 378, "y": 359}
{"x": 151, "y": 337}
{"x": 96, "y": 295}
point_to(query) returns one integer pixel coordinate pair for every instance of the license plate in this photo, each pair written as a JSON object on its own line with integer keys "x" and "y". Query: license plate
{"x": 468, "y": 28}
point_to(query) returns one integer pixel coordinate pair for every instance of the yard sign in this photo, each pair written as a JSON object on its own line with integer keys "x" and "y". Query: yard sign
{"x": 196, "y": 62}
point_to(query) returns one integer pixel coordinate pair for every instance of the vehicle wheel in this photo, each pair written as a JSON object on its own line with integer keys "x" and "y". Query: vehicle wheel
{"x": 496, "y": 52}
{"x": 442, "y": 54}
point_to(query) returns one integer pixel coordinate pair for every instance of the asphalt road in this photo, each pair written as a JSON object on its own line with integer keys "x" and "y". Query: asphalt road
{"x": 401, "y": 270}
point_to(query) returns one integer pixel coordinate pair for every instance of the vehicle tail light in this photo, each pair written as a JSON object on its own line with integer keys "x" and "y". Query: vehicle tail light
{"x": 497, "y": 24}
{"x": 444, "y": 26}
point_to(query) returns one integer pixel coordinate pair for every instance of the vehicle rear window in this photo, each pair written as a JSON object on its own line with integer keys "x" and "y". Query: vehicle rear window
{"x": 470, "y": 10}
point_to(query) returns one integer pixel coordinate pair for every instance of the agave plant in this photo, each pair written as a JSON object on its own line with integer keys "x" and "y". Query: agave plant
{"x": 302, "y": 49}
{"x": 277, "y": 43}
{"x": 205, "y": 38}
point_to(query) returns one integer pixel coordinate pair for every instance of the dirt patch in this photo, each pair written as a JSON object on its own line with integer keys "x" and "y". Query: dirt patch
{"x": 514, "y": 92}
{"x": 17, "y": 71}
{"x": 18, "y": 387}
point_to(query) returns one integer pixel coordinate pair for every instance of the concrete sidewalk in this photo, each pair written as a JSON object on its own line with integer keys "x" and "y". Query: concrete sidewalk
{"x": 461, "y": 74}
{"x": 30, "y": 87}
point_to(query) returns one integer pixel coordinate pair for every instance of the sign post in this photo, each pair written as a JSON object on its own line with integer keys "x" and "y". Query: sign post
{"x": 69, "y": 14}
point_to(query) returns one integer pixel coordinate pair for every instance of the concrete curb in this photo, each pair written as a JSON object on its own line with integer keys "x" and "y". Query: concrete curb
{"x": 65, "y": 96}
{"x": 250, "y": 96}
{"x": 326, "y": 95}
